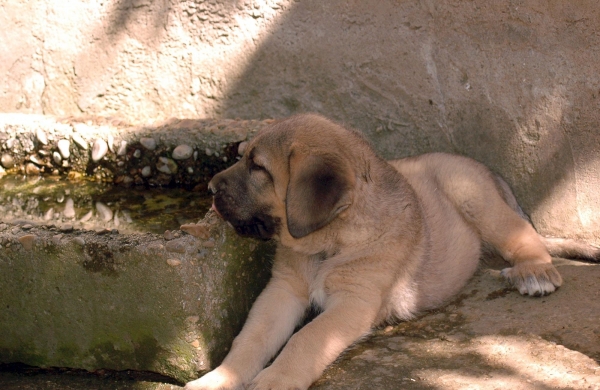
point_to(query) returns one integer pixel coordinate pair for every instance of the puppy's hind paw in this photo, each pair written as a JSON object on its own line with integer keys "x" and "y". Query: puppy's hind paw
{"x": 533, "y": 279}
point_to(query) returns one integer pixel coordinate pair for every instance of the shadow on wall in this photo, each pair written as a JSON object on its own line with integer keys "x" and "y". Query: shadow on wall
{"x": 138, "y": 57}
{"x": 515, "y": 88}
{"x": 511, "y": 87}
{"x": 123, "y": 13}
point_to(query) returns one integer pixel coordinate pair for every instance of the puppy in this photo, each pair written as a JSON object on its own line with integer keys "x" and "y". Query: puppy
{"x": 364, "y": 240}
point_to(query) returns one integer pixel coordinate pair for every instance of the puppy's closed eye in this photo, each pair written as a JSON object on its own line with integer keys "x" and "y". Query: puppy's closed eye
{"x": 253, "y": 166}
{"x": 259, "y": 169}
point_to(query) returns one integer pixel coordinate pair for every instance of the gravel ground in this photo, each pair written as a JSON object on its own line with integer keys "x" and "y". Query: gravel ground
{"x": 490, "y": 337}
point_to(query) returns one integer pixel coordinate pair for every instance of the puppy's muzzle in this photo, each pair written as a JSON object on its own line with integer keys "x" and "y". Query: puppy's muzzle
{"x": 233, "y": 203}
{"x": 213, "y": 187}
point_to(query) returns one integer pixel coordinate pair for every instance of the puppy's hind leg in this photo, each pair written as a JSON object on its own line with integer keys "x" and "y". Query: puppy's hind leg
{"x": 532, "y": 272}
{"x": 488, "y": 205}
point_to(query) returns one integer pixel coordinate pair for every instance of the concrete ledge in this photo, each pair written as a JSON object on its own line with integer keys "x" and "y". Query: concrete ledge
{"x": 176, "y": 152}
{"x": 100, "y": 300}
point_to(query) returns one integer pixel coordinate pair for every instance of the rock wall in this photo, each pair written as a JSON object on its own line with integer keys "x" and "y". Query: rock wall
{"x": 182, "y": 153}
{"x": 514, "y": 84}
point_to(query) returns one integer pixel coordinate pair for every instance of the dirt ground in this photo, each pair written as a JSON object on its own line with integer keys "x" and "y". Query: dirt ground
{"x": 490, "y": 337}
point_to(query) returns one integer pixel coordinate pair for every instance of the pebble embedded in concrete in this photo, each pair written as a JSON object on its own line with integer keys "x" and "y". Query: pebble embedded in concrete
{"x": 57, "y": 157}
{"x": 148, "y": 143}
{"x": 104, "y": 212}
{"x": 31, "y": 169}
{"x": 66, "y": 228}
{"x": 63, "y": 146}
{"x": 87, "y": 216}
{"x": 197, "y": 230}
{"x": 7, "y": 161}
{"x": 69, "y": 211}
{"x": 111, "y": 143}
{"x": 208, "y": 244}
{"x": 122, "y": 148}
{"x": 41, "y": 137}
{"x": 177, "y": 246}
{"x": 35, "y": 160}
{"x": 166, "y": 165}
{"x": 146, "y": 171}
{"x": 99, "y": 149}
{"x": 48, "y": 215}
{"x": 11, "y": 143}
{"x": 27, "y": 241}
{"x": 182, "y": 152}
{"x": 80, "y": 141}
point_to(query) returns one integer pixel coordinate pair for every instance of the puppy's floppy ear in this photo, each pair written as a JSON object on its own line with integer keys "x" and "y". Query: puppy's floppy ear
{"x": 319, "y": 189}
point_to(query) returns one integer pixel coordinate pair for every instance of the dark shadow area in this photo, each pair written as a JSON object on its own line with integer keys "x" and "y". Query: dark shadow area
{"x": 153, "y": 14}
{"x": 402, "y": 73}
{"x": 333, "y": 59}
{"x": 17, "y": 376}
{"x": 124, "y": 12}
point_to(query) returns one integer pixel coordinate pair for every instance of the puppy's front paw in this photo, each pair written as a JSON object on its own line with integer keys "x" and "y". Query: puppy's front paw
{"x": 270, "y": 379}
{"x": 534, "y": 279}
{"x": 217, "y": 379}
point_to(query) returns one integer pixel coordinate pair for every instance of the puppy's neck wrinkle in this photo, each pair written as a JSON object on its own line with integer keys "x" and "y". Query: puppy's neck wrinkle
{"x": 323, "y": 255}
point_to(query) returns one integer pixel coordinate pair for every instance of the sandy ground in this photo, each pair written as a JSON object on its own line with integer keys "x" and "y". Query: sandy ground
{"x": 490, "y": 337}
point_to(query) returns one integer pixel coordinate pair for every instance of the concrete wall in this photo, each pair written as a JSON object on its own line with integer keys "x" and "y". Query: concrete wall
{"x": 515, "y": 84}
{"x": 103, "y": 300}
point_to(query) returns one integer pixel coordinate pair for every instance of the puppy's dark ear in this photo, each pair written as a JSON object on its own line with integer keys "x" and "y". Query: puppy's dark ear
{"x": 319, "y": 189}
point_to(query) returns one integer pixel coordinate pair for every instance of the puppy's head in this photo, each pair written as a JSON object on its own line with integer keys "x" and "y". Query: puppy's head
{"x": 294, "y": 178}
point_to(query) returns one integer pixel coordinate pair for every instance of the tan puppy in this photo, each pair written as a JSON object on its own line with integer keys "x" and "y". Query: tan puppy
{"x": 362, "y": 239}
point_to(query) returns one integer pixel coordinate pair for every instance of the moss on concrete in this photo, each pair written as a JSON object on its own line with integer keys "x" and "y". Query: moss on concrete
{"x": 108, "y": 301}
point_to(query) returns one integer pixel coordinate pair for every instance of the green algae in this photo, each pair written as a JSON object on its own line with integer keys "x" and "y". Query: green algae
{"x": 114, "y": 302}
{"x": 96, "y": 205}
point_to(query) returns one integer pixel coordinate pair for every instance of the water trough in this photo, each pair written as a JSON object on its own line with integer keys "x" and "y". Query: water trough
{"x": 85, "y": 281}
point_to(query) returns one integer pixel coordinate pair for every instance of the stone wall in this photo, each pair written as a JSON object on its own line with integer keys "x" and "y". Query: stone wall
{"x": 515, "y": 84}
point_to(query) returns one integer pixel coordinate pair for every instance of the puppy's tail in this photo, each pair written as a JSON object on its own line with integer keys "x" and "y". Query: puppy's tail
{"x": 571, "y": 249}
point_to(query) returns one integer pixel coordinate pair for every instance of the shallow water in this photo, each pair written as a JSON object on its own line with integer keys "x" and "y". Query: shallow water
{"x": 92, "y": 205}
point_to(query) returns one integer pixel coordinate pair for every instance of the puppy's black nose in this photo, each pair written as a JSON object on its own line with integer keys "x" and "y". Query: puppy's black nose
{"x": 217, "y": 183}
{"x": 211, "y": 187}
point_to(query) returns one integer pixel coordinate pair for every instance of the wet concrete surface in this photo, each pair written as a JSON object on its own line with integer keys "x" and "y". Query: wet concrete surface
{"x": 85, "y": 204}
{"x": 489, "y": 337}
